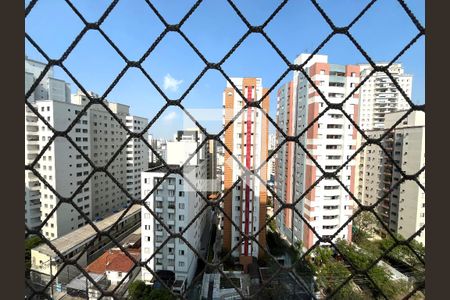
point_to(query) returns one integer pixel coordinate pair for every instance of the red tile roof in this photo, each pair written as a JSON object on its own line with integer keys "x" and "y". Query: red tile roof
{"x": 114, "y": 260}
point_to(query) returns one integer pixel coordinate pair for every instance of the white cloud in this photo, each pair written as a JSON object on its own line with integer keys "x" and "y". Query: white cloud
{"x": 170, "y": 116}
{"x": 171, "y": 83}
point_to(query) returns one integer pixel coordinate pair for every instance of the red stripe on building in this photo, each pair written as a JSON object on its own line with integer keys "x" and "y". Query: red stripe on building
{"x": 247, "y": 165}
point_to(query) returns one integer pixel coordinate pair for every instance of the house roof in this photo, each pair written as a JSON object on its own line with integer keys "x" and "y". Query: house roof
{"x": 114, "y": 260}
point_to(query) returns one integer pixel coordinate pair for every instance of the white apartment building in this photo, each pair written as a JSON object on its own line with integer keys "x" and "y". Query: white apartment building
{"x": 247, "y": 138}
{"x": 160, "y": 146}
{"x": 137, "y": 156}
{"x": 32, "y": 183}
{"x": 49, "y": 87}
{"x": 99, "y": 136}
{"x": 380, "y": 96}
{"x": 177, "y": 204}
{"x": 331, "y": 141}
{"x": 404, "y": 209}
{"x": 272, "y": 141}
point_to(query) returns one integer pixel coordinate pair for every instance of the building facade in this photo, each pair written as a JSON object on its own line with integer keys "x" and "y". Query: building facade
{"x": 176, "y": 202}
{"x": 331, "y": 140}
{"x": 99, "y": 136}
{"x": 284, "y": 162}
{"x": 137, "y": 156}
{"x": 380, "y": 96}
{"x": 247, "y": 138}
{"x": 403, "y": 210}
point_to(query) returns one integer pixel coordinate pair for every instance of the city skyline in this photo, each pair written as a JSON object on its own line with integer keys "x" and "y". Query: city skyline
{"x": 174, "y": 74}
{"x": 281, "y": 208}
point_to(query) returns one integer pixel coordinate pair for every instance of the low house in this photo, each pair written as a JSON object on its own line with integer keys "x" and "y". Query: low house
{"x": 116, "y": 265}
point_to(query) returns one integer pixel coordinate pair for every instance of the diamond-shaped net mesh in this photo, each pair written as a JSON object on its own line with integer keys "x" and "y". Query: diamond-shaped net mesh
{"x": 293, "y": 282}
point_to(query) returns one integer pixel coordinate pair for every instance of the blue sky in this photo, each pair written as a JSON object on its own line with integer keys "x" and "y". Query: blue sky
{"x": 214, "y": 28}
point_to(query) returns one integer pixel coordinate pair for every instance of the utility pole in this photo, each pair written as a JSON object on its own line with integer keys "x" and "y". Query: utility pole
{"x": 51, "y": 284}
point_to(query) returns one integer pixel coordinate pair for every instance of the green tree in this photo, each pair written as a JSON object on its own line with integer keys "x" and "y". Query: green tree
{"x": 30, "y": 243}
{"x": 138, "y": 290}
{"x": 160, "y": 294}
{"x": 364, "y": 225}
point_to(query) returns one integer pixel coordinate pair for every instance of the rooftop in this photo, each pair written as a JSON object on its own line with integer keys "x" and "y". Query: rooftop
{"x": 133, "y": 239}
{"x": 84, "y": 234}
{"x": 162, "y": 168}
{"x": 114, "y": 260}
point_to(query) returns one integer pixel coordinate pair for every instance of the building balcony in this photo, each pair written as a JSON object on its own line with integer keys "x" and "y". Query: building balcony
{"x": 35, "y": 204}
{"x": 31, "y": 156}
{"x": 34, "y": 194}
{"x": 159, "y": 233}
{"x": 31, "y": 117}
{"x": 171, "y": 198}
{"x": 171, "y": 187}
{"x": 170, "y": 268}
{"x": 170, "y": 222}
{"x": 35, "y": 186}
{"x": 330, "y": 222}
{"x": 171, "y": 210}
{"x": 33, "y": 139}
{"x": 170, "y": 256}
{"x": 32, "y": 128}
{"x": 158, "y": 209}
{"x": 33, "y": 147}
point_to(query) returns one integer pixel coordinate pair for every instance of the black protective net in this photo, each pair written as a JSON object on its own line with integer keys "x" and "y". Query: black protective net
{"x": 355, "y": 271}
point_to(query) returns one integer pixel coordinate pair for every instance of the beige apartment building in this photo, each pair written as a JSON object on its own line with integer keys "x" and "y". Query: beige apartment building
{"x": 404, "y": 209}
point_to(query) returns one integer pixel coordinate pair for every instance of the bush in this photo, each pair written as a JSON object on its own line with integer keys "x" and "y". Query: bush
{"x": 138, "y": 290}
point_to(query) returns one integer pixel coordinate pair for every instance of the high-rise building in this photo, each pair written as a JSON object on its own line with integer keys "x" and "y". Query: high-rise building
{"x": 247, "y": 138}
{"x": 176, "y": 202}
{"x": 211, "y": 156}
{"x": 403, "y": 210}
{"x": 99, "y": 136}
{"x": 331, "y": 140}
{"x": 284, "y": 162}
{"x": 272, "y": 141}
{"x": 49, "y": 87}
{"x": 380, "y": 96}
{"x": 32, "y": 183}
{"x": 137, "y": 156}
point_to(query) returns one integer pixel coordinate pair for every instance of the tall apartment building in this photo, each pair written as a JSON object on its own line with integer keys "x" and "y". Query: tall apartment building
{"x": 380, "y": 96}
{"x": 403, "y": 210}
{"x": 272, "y": 141}
{"x": 160, "y": 146}
{"x": 99, "y": 136}
{"x": 49, "y": 87}
{"x": 331, "y": 141}
{"x": 32, "y": 183}
{"x": 248, "y": 140}
{"x": 137, "y": 156}
{"x": 211, "y": 156}
{"x": 284, "y": 162}
{"x": 177, "y": 203}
